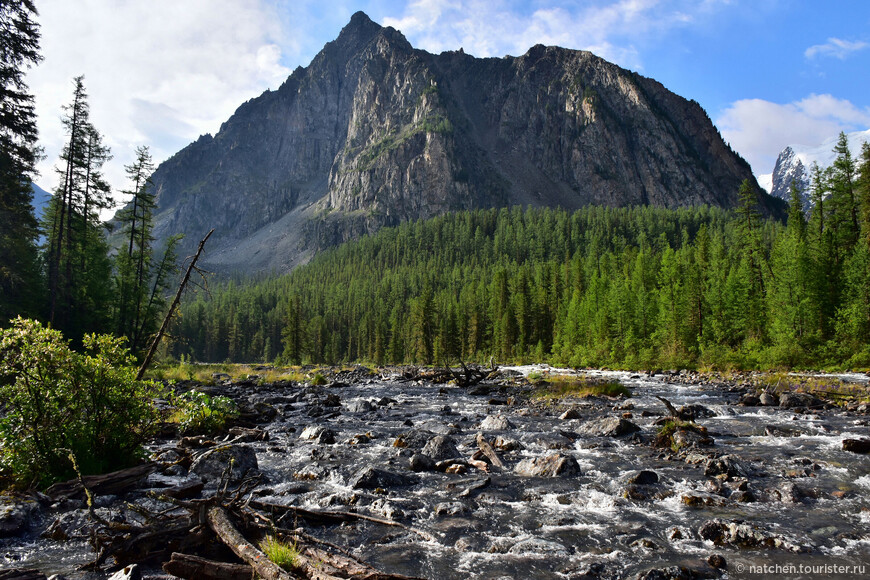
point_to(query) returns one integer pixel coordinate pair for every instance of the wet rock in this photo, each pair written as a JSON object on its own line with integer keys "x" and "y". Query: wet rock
{"x": 691, "y": 438}
{"x": 245, "y": 435}
{"x": 505, "y": 444}
{"x": 697, "y": 500}
{"x": 795, "y": 400}
{"x": 331, "y": 400}
{"x": 557, "y": 465}
{"x": 451, "y": 508}
{"x": 419, "y": 462}
{"x": 359, "y": 406}
{"x": 441, "y": 447}
{"x": 360, "y": 439}
{"x": 767, "y": 399}
{"x": 669, "y": 573}
{"x": 538, "y": 546}
{"x": 554, "y": 441}
{"x": 749, "y": 400}
{"x": 608, "y": 427}
{"x": 15, "y": 514}
{"x": 857, "y": 445}
{"x": 692, "y": 412}
{"x": 373, "y": 478}
{"x": 717, "y": 561}
{"x": 725, "y": 465}
{"x": 413, "y": 439}
{"x": 644, "y": 477}
{"x": 570, "y": 414}
{"x": 745, "y": 496}
{"x": 777, "y": 431}
{"x": 742, "y": 535}
{"x": 211, "y": 464}
{"x": 496, "y": 423}
{"x": 788, "y": 492}
{"x": 318, "y": 433}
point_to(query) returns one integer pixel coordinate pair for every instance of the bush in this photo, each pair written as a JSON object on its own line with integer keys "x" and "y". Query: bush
{"x": 284, "y": 555}
{"x": 56, "y": 400}
{"x": 197, "y": 413}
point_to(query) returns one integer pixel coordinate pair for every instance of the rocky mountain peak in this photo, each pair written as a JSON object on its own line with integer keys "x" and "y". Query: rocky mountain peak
{"x": 374, "y": 132}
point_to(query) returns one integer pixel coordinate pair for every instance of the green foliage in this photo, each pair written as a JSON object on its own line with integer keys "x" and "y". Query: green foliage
{"x": 639, "y": 287}
{"x": 318, "y": 379}
{"x": 281, "y": 553}
{"x": 665, "y": 435}
{"x": 57, "y": 399}
{"x": 198, "y": 413}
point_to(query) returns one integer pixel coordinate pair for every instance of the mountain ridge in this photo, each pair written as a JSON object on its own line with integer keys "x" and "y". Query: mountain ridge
{"x": 374, "y": 132}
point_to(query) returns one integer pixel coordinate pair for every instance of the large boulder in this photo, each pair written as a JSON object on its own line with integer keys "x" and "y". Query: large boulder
{"x": 496, "y": 423}
{"x": 556, "y": 465}
{"x": 15, "y": 514}
{"x": 441, "y": 447}
{"x": 608, "y": 427}
{"x": 374, "y": 478}
{"x": 857, "y": 445}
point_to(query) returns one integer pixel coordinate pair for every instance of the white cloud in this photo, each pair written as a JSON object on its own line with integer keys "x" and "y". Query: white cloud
{"x": 158, "y": 73}
{"x": 760, "y": 129}
{"x": 494, "y": 27}
{"x": 835, "y": 47}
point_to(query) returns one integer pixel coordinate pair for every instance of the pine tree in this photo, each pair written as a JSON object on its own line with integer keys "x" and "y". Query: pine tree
{"x": 20, "y": 281}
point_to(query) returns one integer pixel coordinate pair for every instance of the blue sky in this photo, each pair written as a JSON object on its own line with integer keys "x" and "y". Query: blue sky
{"x": 768, "y": 72}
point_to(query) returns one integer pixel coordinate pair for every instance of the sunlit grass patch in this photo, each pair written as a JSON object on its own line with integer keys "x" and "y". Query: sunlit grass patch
{"x": 571, "y": 386}
{"x": 281, "y": 553}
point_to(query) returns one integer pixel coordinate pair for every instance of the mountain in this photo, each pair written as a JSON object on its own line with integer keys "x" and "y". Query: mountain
{"x": 795, "y": 161}
{"x": 40, "y": 200}
{"x": 374, "y": 132}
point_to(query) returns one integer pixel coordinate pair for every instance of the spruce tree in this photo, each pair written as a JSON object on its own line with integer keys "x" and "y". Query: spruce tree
{"x": 20, "y": 280}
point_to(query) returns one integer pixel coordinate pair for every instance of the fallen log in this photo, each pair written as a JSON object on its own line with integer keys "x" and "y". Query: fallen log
{"x": 106, "y": 484}
{"x": 222, "y": 526}
{"x": 671, "y": 409}
{"x": 334, "y": 517}
{"x": 196, "y": 568}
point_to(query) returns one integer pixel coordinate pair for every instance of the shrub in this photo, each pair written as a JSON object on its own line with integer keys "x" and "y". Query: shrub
{"x": 201, "y": 414}
{"x": 318, "y": 379}
{"x": 55, "y": 399}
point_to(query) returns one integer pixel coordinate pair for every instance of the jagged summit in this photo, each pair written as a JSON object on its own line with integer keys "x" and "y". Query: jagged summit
{"x": 374, "y": 132}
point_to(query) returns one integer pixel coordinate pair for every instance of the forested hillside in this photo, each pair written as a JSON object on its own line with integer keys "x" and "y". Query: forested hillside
{"x": 630, "y": 287}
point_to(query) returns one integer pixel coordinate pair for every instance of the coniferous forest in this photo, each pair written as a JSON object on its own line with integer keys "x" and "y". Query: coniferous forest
{"x": 638, "y": 287}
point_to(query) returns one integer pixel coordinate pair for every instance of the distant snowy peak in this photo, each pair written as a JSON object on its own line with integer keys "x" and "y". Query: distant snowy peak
{"x": 795, "y": 162}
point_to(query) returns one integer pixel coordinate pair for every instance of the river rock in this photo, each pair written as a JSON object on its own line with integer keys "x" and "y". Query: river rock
{"x": 359, "y": 406}
{"x": 419, "y": 462}
{"x": 644, "y": 477}
{"x": 669, "y": 573}
{"x": 795, "y": 400}
{"x": 210, "y": 465}
{"x": 318, "y": 433}
{"x": 857, "y": 445}
{"x": 441, "y": 447}
{"x": 414, "y": 439}
{"x": 725, "y": 465}
{"x": 496, "y": 423}
{"x": 556, "y": 465}
{"x": 373, "y": 478}
{"x": 571, "y": 413}
{"x": 692, "y": 412}
{"x": 743, "y": 535}
{"x": 15, "y": 514}
{"x": 608, "y": 427}
{"x": 767, "y": 399}
{"x": 451, "y": 508}
{"x": 538, "y": 546}
{"x": 331, "y": 400}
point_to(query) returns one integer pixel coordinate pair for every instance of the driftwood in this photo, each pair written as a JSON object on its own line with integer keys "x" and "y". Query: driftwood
{"x": 196, "y": 568}
{"x": 182, "y": 537}
{"x": 468, "y": 376}
{"x": 106, "y": 484}
{"x": 487, "y": 450}
{"x": 671, "y": 409}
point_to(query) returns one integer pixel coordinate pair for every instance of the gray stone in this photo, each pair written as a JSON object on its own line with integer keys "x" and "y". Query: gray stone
{"x": 15, "y": 514}
{"x": 359, "y": 406}
{"x": 419, "y": 462}
{"x": 608, "y": 427}
{"x": 857, "y": 445}
{"x": 373, "y": 478}
{"x": 795, "y": 400}
{"x": 496, "y": 423}
{"x": 767, "y": 399}
{"x": 557, "y": 465}
{"x": 441, "y": 447}
{"x": 130, "y": 572}
{"x": 644, "y": 477}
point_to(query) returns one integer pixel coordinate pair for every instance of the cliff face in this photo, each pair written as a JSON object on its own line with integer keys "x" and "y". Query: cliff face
{"x": 374, "y": 132}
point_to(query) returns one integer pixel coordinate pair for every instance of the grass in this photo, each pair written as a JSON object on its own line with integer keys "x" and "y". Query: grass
{"x": 204, "y": 373}
{"x": 568, "y": 386}
{"x": 281, "y": 553}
